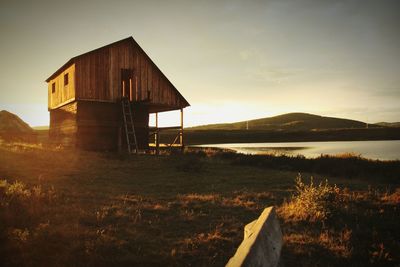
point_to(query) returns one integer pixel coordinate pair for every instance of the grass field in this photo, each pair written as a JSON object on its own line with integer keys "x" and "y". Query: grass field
{"x": 62, "y": 207}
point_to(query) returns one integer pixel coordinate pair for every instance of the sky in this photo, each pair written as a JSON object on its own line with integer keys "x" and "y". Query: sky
{"x": 232, "y": 60}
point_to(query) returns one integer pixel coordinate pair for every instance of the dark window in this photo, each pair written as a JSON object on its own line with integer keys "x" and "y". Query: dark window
{"x": 53, "y": 88}
{"x": 66, "y": 79}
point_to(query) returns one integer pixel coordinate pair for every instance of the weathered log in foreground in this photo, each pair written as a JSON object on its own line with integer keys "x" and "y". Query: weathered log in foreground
{"x": 262, "y": 242}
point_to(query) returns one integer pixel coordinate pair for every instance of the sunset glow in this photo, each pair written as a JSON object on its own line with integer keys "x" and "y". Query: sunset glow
{"x": 200, "y": 133}
{"x": 232, "y": 60}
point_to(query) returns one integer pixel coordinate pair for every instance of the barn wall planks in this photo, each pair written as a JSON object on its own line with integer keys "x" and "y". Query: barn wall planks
{"x": 88, "y": 110}
{"x": 62, "y": 93}
{"x": 141, "y": 123}
{"x": 98, "y": 113}
{"x": 99, "y": 124}
{"x": 98, "y": 77}
{"x": 63, "y": 124}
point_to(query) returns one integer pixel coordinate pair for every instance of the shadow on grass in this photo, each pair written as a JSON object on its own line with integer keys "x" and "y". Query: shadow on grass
{"x": 347, "y": 167}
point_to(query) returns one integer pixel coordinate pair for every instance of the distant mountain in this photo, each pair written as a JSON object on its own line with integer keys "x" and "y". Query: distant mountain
{"x": 389, "y": 124}
{"x": 289, "y": 122}
{"x": 13, "y": 128}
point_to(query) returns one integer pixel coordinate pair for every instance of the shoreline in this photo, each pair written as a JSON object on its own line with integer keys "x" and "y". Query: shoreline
{"x": 347, "y": 165}
{"x": 383, "y": 150}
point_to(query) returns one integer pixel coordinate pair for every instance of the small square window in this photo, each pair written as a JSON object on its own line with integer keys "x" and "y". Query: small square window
{"x": 53, "y": 88}
{"x": 65, "y": 79}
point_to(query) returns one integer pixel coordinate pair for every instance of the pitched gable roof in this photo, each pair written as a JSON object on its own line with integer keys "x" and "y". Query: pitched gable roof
{"x": 129, "y": 39}
{"x": 72, "y": 60}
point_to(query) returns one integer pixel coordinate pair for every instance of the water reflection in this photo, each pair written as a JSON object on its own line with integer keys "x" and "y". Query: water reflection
{"x": 383, "y": 150}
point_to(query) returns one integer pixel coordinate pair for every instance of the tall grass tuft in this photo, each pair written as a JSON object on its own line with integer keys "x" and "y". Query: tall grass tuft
{"x": 20, "y": 205}
{"x": 310, "y": 202}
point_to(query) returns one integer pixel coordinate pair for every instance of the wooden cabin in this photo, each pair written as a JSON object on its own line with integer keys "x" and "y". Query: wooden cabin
{"x": 85, "y": 94}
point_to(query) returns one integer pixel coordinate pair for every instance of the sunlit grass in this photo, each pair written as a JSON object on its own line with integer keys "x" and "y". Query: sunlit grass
{"x": 347, "y": 155}
{"x": 311, "y": 202}
{"x": 62, "y": 206}
{"x": 347, "y": 226}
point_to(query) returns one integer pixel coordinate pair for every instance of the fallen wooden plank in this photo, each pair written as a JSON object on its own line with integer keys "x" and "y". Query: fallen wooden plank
{"x": 262, "y": 242}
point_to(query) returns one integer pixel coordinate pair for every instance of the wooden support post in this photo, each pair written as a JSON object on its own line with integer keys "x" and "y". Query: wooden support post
{"x": 156, "y": 136}
{"x": 181, "y": 131}
{"x": 130, "y": 90}
{"x": 123, "y": 88}
{"x": 136, "y": 90}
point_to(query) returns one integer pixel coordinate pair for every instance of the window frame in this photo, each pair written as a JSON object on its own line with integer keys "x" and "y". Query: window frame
{"x": 66, "y": 79}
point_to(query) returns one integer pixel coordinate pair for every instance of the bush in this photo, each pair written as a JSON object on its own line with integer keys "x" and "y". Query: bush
{"x": 310, "y": 202}
{"x": 20, "y": 205}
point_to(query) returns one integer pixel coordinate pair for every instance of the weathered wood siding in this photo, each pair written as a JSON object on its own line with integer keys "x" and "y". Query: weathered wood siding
{"x": 63, "y": 93}
{"x": 63, "y": 124}
{"x": 88, "y": 110}
{"x": 141, "y": 123}
{"x": 98, "y": 77}
{"x": 100, "y": 125}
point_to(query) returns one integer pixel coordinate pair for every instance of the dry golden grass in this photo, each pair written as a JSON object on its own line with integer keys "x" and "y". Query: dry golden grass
{"x": 337, "y": 243}
{"x": 393, "y": 198}
{"x": 311, "y": 202}
{"x": 348, "y": 155}
{"x": 350, "y": 227}
{"x": 194, "y": 197}
{"x": 62, "y": 207}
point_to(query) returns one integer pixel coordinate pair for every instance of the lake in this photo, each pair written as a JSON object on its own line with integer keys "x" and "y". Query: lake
{"x": 383, "y": 150}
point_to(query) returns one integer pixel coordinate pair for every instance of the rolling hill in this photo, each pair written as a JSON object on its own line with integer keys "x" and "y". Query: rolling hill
{"x": 14, "y": 128}
{"x": 289, "y": 122}
{"x": 389, "y": 124}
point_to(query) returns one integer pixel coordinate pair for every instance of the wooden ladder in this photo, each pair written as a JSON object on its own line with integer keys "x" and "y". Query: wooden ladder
{"x": 129, "y": 127}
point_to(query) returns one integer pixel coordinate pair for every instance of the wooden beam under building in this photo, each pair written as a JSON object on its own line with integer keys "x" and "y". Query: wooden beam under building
{"x": 136, "y": 89}
{"x": 130, "y": 90}
{"x": 181, "y": 131}
{"x": 157, "y": 136}
{"x": 123, "y": 89}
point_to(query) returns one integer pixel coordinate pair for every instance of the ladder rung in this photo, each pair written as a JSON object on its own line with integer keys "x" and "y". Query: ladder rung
{"x": 129, "y": 126}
